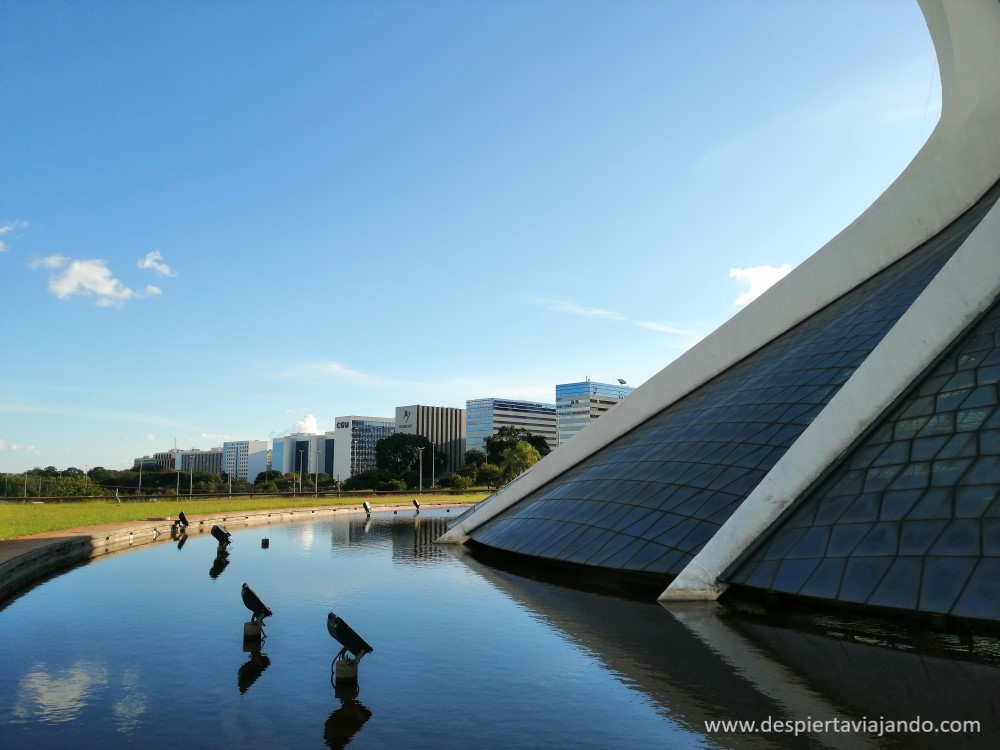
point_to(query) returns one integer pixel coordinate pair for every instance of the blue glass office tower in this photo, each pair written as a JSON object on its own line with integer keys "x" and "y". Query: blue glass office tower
{"x": 579, "y": 404}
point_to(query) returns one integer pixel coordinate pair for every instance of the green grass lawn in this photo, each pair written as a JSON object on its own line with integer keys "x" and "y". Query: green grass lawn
{"x": 24, "y": 519}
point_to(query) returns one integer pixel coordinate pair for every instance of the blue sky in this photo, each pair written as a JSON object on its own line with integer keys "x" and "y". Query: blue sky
{"x": 226, "y": 220}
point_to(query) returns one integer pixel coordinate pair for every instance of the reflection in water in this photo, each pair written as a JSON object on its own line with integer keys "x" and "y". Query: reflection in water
{"x": 221, "y": 561}
{"x": 346, "y": 721}
{"x": 182, "y": 541}
{"x": 129, "y": 710}
{"x": 252, "y": 669}
{"x": 58, "y": 697}
{"x": 702, "y": 662}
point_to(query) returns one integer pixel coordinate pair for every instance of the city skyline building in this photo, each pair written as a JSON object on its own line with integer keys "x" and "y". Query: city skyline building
{"x": 195, "y": 459}
{"x": 166, "y": 459}
{"x": 485, "y": 416}
{"x": 244, "y": 459}
{"x": 354, "y": 443}
{"x": 305, "y": 452}
{"x": 579, "y": 404}
{"x": 444, "y": 426}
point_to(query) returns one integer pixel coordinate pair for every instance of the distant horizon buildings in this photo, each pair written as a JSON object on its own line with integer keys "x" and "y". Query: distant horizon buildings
{"x": 452, "y": 430}
{"x": 244, "y": 459}
{"x": 195, "y": 459}
{"x": 444, "y": 426}
{"x": 579, "y": 404}
{"x": 303, "y": 452}
{"x": 485, "y": 416}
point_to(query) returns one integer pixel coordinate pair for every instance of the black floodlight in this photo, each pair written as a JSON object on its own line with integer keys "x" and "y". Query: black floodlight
{"x": 255, "y": 605}
{"x": 621, "y": 380}
{"x": 183, "y": 519}
{"x": 221, "y": 535}
{"x": 416, "y": 504}
{"x": 344, "y": 635}
{"x": 367, "y": 506}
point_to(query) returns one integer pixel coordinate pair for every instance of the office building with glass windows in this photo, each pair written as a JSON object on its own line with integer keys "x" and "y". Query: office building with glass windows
{"x": 354, "y": 443}
{"x": 838, "y": 440}
{"x": 485, "y": 416}
{"x": 307, "y": 453}
{"x": 579, "y": 404}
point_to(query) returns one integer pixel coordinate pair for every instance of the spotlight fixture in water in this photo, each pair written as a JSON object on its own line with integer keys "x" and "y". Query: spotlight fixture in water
{"x": 221, "y": 535}
{"x": 345, "y": 635}
{"x": 255, "y": 605}
{"x": 367, "y": 506}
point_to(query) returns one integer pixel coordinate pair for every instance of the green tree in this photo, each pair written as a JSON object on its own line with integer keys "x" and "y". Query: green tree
{"x": 490, "y": 475}
{"x": 401, "y": 452}
{"x": 459, "y": 482}
{"x": 518, "y": 459}
{"x": 474, "y": 458}
{"x": 507, "y": 437}
{"x": 369, "y": 480}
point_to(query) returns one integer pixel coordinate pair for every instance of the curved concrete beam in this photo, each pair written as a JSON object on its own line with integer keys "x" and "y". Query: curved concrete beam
{"x": 959, "y": 162}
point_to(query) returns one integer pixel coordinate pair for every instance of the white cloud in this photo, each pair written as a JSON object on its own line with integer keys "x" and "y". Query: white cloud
{"x": 90, "y": 277}
{"x": 758, "y": 280}
{"x": 49, "y": 261}
{"x": 154, "y": 261}
{"x": 8, "y": 228}
{"x": 573, "y": 308}
{"x": 16, "y": 448}
{"x": 150, "y": 438}
{"x": 336, "y": 371}
{"x": 687, "y": 336}
{"x": 152, "y": 291}
{"x": 211, "y": 436}
{"x": 308, "y": 425}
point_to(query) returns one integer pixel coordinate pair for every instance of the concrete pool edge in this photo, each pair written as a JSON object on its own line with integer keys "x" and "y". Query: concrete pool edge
{"x": 25, "y": 561}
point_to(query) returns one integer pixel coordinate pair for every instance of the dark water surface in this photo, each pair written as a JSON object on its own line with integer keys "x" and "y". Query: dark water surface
{"x": 145, "y": 649}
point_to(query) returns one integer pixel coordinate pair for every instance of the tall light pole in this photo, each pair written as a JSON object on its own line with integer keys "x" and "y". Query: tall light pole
{"x": 140, "y": 476}
{"x": 300, "y": 471}
{"x": 316, "y": 473}
{"x": 420, "y": 489}
{"x": 432, "y": 465}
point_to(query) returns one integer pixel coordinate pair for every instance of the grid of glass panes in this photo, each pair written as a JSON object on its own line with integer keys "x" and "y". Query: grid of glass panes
{"x": 911, "y": 519}
{"x": 649, "y": 501}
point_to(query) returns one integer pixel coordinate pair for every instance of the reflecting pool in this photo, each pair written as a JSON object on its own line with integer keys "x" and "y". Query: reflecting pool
{"x": 146, "y": 649}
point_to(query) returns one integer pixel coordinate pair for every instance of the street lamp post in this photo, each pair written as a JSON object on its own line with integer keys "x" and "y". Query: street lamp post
{"x": 420, "y": 489}
{"x": 140, "y": 477}
{"x": 300, "y": 471}
{"x": 433, "y": 456}
{"x": 316, "y": 473}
